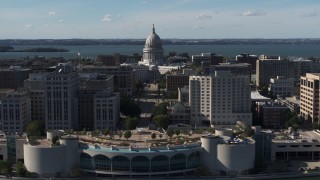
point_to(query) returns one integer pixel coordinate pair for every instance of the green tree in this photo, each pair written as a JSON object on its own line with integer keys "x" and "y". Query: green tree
{"x": 161, "y": 109}
{"x": 177, "y": 132}
{"x": 130, "y": 123}
{"x": 119, "y": 134}
{"x": 5, "y": 167}
{"x": 315, "y": 125}
{"x": 106, "y": 132}
{"x": 129, "y": 108}
{"x": 248, "y": 132}
{"x": 55, "y": 140}
{"x": 170, "y": 133}
{"x": 95, "y": 133}
{"x": 21, "y": 170}
{"x": 162, "y": 121}
{"x": 153, "y": 136}
{"x": 139, "y": 86}
{"x": 127, "y": 134}
{"x": 35, "y": 128}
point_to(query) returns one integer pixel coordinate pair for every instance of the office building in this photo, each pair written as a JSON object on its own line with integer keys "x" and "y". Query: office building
{"x": 234, "y": 68}
{"x": 281, "y": 86}
{"x": 309, "y": 97}
{"x": 179, "y": 113}
{"x": 206, "y": 58}
{"x": 248, "y": 58}
{"x": 273, "y": 115}
{"x": 123, "y": 81}
{"x": 15, "y": 111}
{"x": 175, "y": 81}
{"x": 36, "y": 87}
{"x": 13, "y": 77}
{"x": 106, "y": 110}
{"x": 270, "y": 67}
{"x": 60, "y": 92}
{"x": 220, "y": 99}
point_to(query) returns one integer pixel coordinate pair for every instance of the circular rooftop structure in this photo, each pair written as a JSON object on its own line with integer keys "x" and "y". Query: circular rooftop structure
{"x": 153, "y": 41}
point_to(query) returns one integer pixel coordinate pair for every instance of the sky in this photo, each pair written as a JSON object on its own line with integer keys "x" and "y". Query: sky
{"x": 182, "y": 19}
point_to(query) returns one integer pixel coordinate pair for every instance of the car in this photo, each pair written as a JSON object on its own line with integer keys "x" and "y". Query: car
{"x": 314, "y": 140}
{"x": 303, "y": 140}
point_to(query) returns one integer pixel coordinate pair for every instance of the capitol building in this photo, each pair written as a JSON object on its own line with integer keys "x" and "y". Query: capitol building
{"x": 152, "y": 51}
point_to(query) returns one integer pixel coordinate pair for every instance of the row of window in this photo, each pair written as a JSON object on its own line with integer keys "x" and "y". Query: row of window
{"x": 140, "y": 163}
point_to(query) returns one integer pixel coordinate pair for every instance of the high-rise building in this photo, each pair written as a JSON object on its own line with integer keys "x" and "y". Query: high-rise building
{"x": 13, "y": 77}
{"x": 123, "y": 81}
{"x": 207, "y": 58}
{"x": 90, "y": 85}
{"x": 15, "y": 111}
{"x": 106, "y": 110}
{"x": 220, "y": 99}
{"x": 270, "y": 67}
{"x": 35, "y": 85}
{"x": 248, "y": 58}
{"x": 273, "y": 115}
{"x": 60, "y": 92}
{"x": 234, "y": 68}
{"x": 309, "y": 97}
{"x": 281, "y": 86}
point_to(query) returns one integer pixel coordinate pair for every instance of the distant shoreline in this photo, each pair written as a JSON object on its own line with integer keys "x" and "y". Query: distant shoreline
{"x": 40, "y": 49}
{"x": 11, "y": 42}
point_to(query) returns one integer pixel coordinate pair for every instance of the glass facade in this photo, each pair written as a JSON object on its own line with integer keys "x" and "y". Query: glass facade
{"x": 160, "y": 163}
{"x": 142, "y": 164}
{"x": 178, "y": 162}
{"x": 86, "y": 161}
{"x": 193, "y": 160}
{"x": 102, "y": 162}
{"x": 11, "y": 149}
{"x": 120, "y": 163}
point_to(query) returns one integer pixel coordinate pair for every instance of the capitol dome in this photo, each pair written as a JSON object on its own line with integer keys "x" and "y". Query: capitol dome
{"x": 153, "y": 41}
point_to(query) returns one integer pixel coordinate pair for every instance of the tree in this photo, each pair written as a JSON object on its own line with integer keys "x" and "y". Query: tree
{"x": 35, "y": 128}
{"x": 160, "y": 136}
{"x": 129, "y": 108}
{"x": 95, "y": 133}
{"x": 130, "y": 123}
{"x": 106, "y": 132}
{"x": 177, "y": 132}
{"x": 315, "y": 125}
{"x": 170, "y": 133}
{"x": 21, "y": 169}
{"x": 119, "y": 134}
{"x": 161, "y": 109}
{"x": 127, "y": 134}
{"x": 139, "y": 86}
{"x": 5, "y": 167}
{"x": 55, "y": 140}
{"x": 248, "y": 132}
{"x": 162, "y": 121}
{"x": 153, "y": 136}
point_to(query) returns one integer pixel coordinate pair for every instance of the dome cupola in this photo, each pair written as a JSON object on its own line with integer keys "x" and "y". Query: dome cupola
{"x": 153, "y": 41}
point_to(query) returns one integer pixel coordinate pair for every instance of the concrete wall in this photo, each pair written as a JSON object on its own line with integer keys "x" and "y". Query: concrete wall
{"x": 44, "y": 160}
{"x": 235, "y": 157}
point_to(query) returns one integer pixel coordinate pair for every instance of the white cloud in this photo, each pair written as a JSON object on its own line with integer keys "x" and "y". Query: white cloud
{"x": 61, "y": 21}
{"x": 29, "y": 26}
{"x": 107, "y": 18}
{"x": 311, "y": 14}
{"x": 197, "y": 27}
{"x": 254, "y": 13}
{"x": 51, "y": 13}
{"x": 203, "y": 16}
{"x": 119, "y": 15}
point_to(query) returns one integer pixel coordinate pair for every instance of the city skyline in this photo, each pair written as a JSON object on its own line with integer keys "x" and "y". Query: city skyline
{"x": 35, "y": 19}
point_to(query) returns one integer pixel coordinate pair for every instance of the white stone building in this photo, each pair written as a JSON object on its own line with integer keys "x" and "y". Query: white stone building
{"x": 220, "y": 100}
